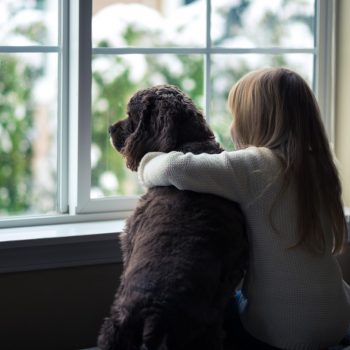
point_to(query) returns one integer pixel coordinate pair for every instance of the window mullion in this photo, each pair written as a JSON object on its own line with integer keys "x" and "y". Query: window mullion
{"x": 207, "y": 63}
{"x": 325, "y": 63}
{"x": 29, "y": 49}
{"x": 63, "y": 90}
{"x": 80, "y": 105}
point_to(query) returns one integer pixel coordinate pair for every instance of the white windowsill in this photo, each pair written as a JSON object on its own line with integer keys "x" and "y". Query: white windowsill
{"x": 61, "y": 245}
{"x": 21, "y": 235}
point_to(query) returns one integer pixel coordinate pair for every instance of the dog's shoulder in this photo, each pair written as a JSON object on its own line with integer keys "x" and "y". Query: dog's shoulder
{"x": 166, "y": 208}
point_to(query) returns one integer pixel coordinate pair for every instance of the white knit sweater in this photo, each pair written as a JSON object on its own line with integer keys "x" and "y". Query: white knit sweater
{"x": 296, "y": 299}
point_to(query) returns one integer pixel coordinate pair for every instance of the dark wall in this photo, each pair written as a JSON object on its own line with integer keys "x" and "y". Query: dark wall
{"x": 55, "y": 309}
{"x": 63, "y": 308}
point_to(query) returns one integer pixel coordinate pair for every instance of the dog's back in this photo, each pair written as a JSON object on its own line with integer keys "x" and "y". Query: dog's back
{"x": 185, "y": 253}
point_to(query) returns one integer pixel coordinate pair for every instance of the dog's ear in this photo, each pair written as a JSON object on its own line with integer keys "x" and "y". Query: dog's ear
{"x": 157, "y": 129}
{"x": 141, "y": 140}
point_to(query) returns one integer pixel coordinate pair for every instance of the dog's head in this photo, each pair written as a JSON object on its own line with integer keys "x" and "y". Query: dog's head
{"x": 160, "y": 119}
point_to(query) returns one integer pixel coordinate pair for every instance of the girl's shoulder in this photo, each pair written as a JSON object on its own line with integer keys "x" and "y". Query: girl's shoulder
{"x": 256, "y": 158}
{"x": 262, "y": 152}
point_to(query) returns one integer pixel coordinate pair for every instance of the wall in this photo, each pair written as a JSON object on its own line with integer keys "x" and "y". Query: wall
{"x": 59, "y": 309}
{"x": 342, "y": 127}
{"x": 63, "y": 309}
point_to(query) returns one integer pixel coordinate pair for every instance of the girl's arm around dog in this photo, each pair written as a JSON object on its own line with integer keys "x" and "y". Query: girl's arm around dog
{"x": 238, "y": 175}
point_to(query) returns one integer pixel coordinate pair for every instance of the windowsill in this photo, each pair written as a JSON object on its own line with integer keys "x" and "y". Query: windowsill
{"x": 65, "y": 245}
{"x": 25, "y": 236}
{"x": 62, "y": 245}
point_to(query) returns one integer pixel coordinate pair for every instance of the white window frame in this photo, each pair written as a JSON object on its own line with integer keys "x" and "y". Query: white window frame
{"x": 61, "y": 50}
{"x": 74, "y": 48}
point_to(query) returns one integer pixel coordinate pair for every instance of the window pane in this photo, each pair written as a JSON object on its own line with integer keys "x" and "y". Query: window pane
{"x": 114, "y": 80}
{"x": 257, "y": 23}
{"x": 28, "y": 22}
{"x": 148, "y": 23}
{"x": 228, "y": 69}
{"x": 28, "y": 124}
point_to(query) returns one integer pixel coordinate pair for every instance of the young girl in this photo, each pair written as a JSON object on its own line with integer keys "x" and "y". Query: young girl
{"x": 283, "y": 176}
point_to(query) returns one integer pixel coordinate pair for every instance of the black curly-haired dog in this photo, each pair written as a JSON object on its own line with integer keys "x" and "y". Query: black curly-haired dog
{"x": 183, "y": 252}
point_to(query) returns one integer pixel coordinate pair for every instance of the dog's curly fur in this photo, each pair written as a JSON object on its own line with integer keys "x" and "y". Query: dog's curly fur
{"x": 183, "y": 252}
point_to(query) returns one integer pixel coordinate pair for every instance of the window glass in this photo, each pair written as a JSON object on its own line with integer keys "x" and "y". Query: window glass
{"x": 28, "y": 22}
{"x": 114, "y": 80}
{"x": 28, "y": 124}
{"x": 28, "y": 107}
{"x": 148, "y": 23}
{"x": 257, "y": 23}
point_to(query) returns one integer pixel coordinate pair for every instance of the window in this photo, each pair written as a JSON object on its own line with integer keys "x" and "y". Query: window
{"x": 68, "y": 72}
{"x": 29, "y": 100}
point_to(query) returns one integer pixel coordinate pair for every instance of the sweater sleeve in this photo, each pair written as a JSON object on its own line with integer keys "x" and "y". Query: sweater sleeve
{"x": 228, "y": 174}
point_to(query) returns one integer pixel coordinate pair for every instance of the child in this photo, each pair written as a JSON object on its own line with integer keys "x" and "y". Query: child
{"x": 284, "y": 178}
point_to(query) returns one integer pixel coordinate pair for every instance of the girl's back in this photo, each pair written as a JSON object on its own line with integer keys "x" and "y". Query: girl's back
{"x": 293, "y": 294}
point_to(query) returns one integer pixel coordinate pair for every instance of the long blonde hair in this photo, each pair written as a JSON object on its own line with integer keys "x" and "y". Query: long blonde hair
{"x": 275, "y": 108}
